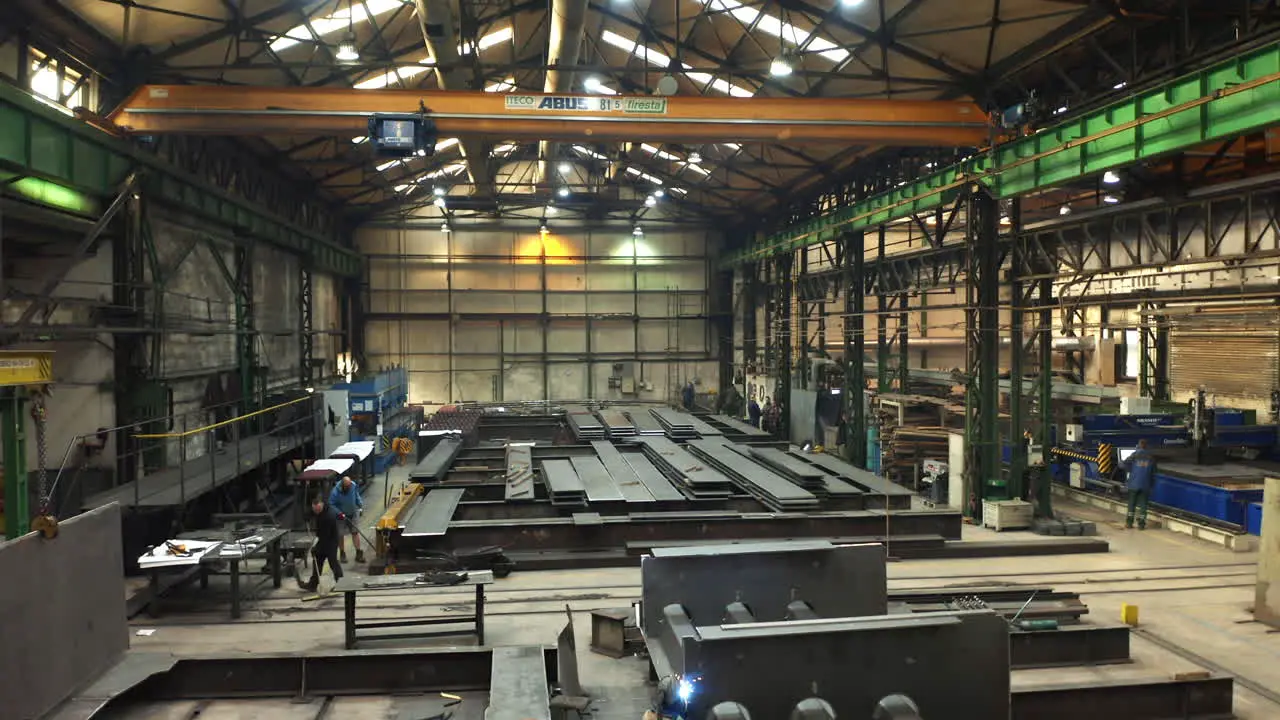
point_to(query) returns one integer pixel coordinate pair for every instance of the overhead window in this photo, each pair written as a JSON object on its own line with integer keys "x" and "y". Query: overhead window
{"x": 56, "y": 82}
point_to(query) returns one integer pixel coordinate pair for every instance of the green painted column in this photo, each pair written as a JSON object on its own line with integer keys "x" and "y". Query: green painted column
{"x": 17, "y": 510}
{"x": 1044, "y": 429}
{"x": 1017, "y": 354}
{"x": 883, "y": 379}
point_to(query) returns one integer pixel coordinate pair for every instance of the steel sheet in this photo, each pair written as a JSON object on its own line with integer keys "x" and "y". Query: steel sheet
{"x": 595, "y": 478}
{"x": 632, "y": 489}
{"x": 837, "y": 581}
{"x": 431, "y": 515}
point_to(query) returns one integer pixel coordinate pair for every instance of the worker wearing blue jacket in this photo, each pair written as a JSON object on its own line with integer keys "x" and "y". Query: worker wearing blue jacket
{"x": 346, "y": 502}
{"x": 1141, "y": 468}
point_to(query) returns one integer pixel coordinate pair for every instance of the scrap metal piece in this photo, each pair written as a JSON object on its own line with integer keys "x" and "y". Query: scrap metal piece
{"x": 519, "y": 476}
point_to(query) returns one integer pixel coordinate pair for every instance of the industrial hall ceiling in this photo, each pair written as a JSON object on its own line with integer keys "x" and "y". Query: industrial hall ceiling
{"x": 995, "y": 53}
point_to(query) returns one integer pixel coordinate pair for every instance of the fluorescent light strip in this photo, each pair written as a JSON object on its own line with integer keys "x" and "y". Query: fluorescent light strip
{"x": 643, "y": 175}
{"x": 339, "y": 20}
{"x": 657, "y": 59}
{"x": 785, "y": 31}
{"x": 408, "y": 71}
{"x": 504, "y": 149}
{"x": 673, "y": 158}
{"x": 589, "y": 152}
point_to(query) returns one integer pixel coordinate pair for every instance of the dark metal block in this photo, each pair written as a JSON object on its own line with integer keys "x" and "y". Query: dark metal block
{"x": 1069, "y": 645}
{"x": 943, "y": 661}
{"x": 1143, "y": 700}
{"x": 736, "y": 613}
{"x": 844, "y": 581}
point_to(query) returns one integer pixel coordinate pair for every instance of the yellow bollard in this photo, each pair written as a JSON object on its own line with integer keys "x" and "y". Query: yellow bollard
{"x": 1129, "y": 614}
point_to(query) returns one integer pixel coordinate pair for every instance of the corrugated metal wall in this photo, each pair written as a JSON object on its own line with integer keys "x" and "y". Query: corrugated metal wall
{"x": 1229, "y": 352}
{"x": 463, "y": 311}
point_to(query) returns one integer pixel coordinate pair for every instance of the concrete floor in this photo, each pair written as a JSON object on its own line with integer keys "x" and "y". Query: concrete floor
{"x": 1190, "y": 594}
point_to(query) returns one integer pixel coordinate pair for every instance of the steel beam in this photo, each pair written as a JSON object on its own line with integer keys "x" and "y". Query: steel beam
{"x": 244, "y": 111}
{"x": 982, "y": 332}
{"x": 1223, "y": 101}
{"x": 75, "y": 167}
{"x": 855, "y": 403}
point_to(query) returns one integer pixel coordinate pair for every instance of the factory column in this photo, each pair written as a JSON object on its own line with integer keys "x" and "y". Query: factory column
{"x": 982, "y": 285}
{"x": 855, "y": 403}
{"x": 17, "y": 511}
{"x": 1266, "y": 604}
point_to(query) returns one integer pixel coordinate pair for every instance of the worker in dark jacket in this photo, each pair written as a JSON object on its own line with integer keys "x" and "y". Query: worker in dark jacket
{"x": 1141, "y": 468}
{"x": 326, "y": 545}
{"x": 753, "y": 412}
{"x": 687, "y": 395}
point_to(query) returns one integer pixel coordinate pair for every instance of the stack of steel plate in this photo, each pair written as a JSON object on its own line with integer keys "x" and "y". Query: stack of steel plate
{"x": 737, "y": 426}
{"x": 653, "y": 480}
{"x": 677, "y": 425}
{"x": 703, "y": 428}
{"x": 803, "y": 474}
{"x": 878, "y": 491}
{"x": 632, "y": 487}
{"x": 644, "y": 421}
{"x": 437, "y": 462}
{"x": 616, "y": 424}
{"x": 564, "y": 487}
{"x": 519, "y": 477}
{"x": 584, "y": 424}
{"x": 599, "y": 485}
{"x": 688, "y": 473}
{"x": 772, "y": 490}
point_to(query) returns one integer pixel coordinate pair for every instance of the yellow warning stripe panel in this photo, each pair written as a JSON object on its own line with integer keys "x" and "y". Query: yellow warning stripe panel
{"x": 26, "y": 367}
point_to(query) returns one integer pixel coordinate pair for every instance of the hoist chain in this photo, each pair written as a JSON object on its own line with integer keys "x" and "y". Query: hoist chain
{"x": 38, "y": 415}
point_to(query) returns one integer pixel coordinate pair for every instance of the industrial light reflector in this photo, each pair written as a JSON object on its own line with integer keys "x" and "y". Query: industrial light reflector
{"x": 347, "y": 49}
{"x": 780, "y": 67}
{"x": 1110, "y": 178}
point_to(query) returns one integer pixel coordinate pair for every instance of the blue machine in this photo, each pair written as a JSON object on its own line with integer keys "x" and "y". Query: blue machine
{"x": 379, "y": 411}
{"x": 1101, "y": 443}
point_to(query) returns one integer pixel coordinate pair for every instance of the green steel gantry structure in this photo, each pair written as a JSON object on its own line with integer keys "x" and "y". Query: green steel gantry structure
{"x": 1219, "y": 103}
{"x": 78, "y": 176}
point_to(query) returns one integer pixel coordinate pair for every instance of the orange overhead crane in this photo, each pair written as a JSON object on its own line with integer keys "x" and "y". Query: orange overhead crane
{"x": 155, "y": 109}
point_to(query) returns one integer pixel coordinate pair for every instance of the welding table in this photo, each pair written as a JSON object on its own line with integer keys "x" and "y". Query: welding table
{"x": 350, "y": 586}
{"x": 228, "y": 552}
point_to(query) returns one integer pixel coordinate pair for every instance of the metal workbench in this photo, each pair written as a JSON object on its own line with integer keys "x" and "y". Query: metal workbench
{"x": 350, "y": 586}
{"x": 231, "y": 554}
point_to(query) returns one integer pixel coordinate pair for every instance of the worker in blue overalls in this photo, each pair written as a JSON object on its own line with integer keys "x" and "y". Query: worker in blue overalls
{"x": 346, "y": 502}
{"x": 1141, "y": 468}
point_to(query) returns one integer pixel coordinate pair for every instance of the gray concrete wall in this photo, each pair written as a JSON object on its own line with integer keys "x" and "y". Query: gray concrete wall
{"x": 455, "y": 310}
{"x": 62, "y": 612}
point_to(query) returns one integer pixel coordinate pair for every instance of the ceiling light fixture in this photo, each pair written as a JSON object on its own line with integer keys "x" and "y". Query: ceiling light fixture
{"x": 563, "y": 192}
{"x": 543, "y": 229}
{"x": 1064, "y": 210}
{"x": 439, "y": 202}
{"x": 444, "y": 227}
{"x": 781, "y": 66}
{"x": 1110, "y": 178}
{"x": 1111, "y": 199}
{"x": 650, "y": 201}
{"x": 347, "y": 52}
{"x": 658, "y": 193}
{"x": 438, "y": 191}
{"x": 551, "y": 210}
{"x": 695, "y": 157}
{"x": 564, "y": 168}
{"x": 637, "y": 232}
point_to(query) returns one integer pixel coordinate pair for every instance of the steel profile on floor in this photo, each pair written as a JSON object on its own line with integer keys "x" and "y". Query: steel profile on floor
{"x": 845, "y": 581}
{"x": 431, "y": 515}
{"x": 629, "y": 484}
{"x": 436, "y": 464}
{"x": 142, "y": 678}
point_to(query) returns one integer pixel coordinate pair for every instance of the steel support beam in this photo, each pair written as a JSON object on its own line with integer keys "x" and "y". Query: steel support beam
{"x": 982, "y": 331}
{"x": 13, "y": 450}
{"x": 258, "y": 111}
{"x": 855, "y": 402}
{"x": 306, "y": 328}
{"x": 1153, "y": 344}
{"x": 785, "y": 292}
{"x": 1220, "y": 102}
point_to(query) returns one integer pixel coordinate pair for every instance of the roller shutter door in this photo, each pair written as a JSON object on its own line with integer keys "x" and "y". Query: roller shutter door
{"x": 1236, "y": 355}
